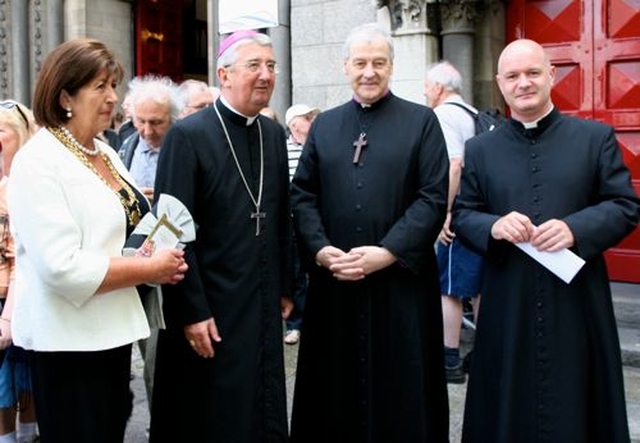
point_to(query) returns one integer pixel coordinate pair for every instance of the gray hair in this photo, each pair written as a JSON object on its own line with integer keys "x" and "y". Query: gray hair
{"x": 367, "y": 33}
{"x": 445, "y": 74}
{"x": 191, "y": 87}
{"x": 230, "y": 55}
{"x": 156, "y": 89}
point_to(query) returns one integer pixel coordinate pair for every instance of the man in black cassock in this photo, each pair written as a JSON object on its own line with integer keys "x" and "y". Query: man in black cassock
{"x": 369, "y": 198}
{"x": 546, "y": 362}
{"x": 220, "y": 365}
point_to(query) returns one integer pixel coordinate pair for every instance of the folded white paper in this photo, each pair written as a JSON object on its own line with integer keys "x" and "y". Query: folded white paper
{"x": 166, "y": 225}
{"x": 564, "y": 263}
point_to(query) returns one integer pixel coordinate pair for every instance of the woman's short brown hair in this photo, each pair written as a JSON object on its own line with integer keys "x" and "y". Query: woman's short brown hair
{"x": 69, "y": 67}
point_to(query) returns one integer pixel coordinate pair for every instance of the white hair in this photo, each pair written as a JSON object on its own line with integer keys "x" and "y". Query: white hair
{"x": 445, "y": 74}
{"x": 155, "y": 89}
{"x": 365, "y": 34}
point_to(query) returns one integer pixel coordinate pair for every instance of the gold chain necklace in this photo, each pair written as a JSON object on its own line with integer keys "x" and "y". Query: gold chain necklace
{"x": 130, "y": 203}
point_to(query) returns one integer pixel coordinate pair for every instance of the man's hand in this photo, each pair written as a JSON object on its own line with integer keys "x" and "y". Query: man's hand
{"x": 446, "y": 235}
{"x": 328, "y": 255}
{"x": 360, "y": 262}
{"x": 202, "y": 336}
{"x": 552, "y": 235}
{"x": 286, "y": 306}
{"x": 513, "y": 227}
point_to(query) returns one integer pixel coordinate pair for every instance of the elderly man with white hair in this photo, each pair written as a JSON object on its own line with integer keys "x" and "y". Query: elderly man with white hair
{"x": 155, "y": 105}
{"x": 195, "y": 95}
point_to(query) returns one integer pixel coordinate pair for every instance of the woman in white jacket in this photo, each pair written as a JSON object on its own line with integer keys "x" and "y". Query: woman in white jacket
{"x": 72, "y": 205}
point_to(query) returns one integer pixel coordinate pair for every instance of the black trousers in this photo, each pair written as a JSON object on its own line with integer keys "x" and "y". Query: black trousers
{"x": 82, "y": 397}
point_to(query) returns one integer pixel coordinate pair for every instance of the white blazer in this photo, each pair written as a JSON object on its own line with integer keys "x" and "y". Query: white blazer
{"x": 67, "y": 223}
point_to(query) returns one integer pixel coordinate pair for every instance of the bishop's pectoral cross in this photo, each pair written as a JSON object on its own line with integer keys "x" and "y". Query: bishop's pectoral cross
{"x": 257, "y": 215}
{"x": 358, "y": 145}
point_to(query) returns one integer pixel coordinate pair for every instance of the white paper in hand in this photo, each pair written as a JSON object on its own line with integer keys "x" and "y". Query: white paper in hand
{"x": 564, "y": 263}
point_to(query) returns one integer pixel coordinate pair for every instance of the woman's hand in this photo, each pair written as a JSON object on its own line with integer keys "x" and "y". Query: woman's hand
{"x": 169, "y": 266}
{"x": 5, "y": 333}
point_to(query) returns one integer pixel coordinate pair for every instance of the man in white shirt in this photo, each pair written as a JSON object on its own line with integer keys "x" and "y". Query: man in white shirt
{"x": 298, "y": 119}
{"x": 460, "y": 268}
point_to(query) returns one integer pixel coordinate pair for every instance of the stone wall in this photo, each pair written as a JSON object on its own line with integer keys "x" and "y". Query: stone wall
{"x": 32, "y": 28}
{"x": 489, "y": 42}
{"x": 310, "y": 39}
{"x": 108, "y": 21}
{"x": 318, "y": 30}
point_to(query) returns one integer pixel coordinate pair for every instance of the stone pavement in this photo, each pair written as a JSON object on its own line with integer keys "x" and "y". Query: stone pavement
{"x": 627, "y": 305}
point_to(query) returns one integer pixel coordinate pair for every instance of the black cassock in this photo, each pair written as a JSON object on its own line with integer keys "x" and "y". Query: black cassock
{"x": 370, "y": 364}
{"x": 546, "y": 363}
{"x": 234, "y": 276}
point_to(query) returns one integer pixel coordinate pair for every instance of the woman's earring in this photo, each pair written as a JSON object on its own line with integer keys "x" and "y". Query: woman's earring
{"x": 69, "y": 113}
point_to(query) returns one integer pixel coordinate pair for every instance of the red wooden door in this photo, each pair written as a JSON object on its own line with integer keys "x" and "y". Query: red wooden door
{"x": 159, "y": 38}
{"x": 595, "y": 46}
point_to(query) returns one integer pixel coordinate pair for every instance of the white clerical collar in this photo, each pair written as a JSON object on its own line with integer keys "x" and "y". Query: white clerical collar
{"x": 368, "y": 105}
{"x": 534, "y": 124}
{"x": 250, "y": 120}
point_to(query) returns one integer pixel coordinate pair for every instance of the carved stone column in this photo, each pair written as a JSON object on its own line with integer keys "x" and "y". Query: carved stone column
{"x": 412, "y": 16}
{"x": 23, "y": 26}
{"x": 281, "y": 37}
{"x": 458, "y": 18}
{"x": 212, "y": 31}
{"x": 5, "y": 50}
{"x": 20, "y": 82}
{"x": 46, "y": 30}
{"x": 414, "y": 27}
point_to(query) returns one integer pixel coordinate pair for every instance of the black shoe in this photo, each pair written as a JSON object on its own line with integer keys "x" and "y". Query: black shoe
{"x": 455, "y": 375}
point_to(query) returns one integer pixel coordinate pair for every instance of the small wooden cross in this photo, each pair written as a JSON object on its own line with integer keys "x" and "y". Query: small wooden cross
{"x": 258, "y": 216}
{"x": 358, "y": 145}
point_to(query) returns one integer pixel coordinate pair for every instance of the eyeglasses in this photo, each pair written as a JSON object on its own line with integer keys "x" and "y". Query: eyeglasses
{"x": 255, "y": 65}
{"x": 9, "y": 105}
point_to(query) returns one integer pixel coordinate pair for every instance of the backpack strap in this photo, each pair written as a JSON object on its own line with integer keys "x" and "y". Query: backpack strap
{"x": 461, "y": 106}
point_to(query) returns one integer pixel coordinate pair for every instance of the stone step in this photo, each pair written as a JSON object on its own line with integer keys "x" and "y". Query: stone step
{"x": 632, "y": 393}
{"x": 626, "y": 305}
{"x": 630, "y": 346}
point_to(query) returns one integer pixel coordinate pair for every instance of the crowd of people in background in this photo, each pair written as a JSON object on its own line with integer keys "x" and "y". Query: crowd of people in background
{"x": 358, "y": 232}
{"x": 17, "y": 409}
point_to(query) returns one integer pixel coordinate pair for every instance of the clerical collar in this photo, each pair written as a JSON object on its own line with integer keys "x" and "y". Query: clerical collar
{"x": 249, "y": 120}
{"x": 356, "y": 99}
{"x": 534, "y": 124}
{"x": 541, "y": 124}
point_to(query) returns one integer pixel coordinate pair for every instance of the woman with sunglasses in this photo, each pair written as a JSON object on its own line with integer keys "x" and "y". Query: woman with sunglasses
{"x": 72, "y": 205}
{"x": 16, "y": 399}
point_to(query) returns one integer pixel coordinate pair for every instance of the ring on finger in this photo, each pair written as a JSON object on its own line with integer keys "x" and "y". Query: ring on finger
{"x": 192, "y": 343}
